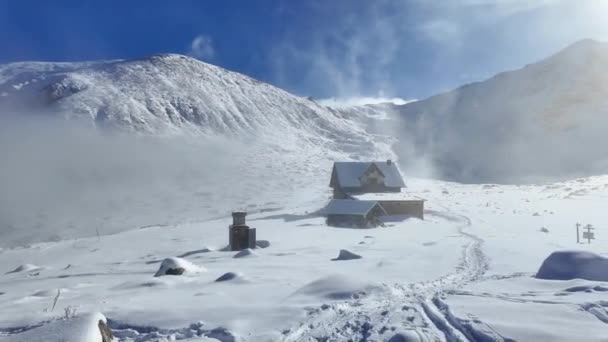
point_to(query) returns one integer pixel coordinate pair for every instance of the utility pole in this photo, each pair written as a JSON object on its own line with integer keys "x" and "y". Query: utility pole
{"x": 578, "y": 240}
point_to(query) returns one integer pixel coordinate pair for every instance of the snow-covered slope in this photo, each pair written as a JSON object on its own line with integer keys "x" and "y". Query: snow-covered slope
{"x": 546, "y": 120}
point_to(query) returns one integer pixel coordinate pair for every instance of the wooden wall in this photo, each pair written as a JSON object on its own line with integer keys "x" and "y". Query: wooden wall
{"x": 414, "y": 208}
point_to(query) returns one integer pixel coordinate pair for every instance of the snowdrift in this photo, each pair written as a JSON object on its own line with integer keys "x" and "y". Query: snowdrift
{"x": 337, "y": 287}
{"x": 82, "y": 328}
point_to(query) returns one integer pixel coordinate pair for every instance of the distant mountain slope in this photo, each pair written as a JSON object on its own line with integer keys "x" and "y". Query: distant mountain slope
{"x": 546, "y": 120}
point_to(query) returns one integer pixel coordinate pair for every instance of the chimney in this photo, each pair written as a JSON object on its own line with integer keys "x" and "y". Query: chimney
{"x": 240, "y": 235}
{"x": 238, "y": 218}
{"x": 389, "y": 162}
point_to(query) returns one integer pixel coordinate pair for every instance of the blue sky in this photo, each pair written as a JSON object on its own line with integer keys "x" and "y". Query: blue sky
{"x": 334, "y": 48}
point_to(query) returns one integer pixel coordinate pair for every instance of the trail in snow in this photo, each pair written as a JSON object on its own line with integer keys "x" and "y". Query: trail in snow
{"x": 414, "y": 310}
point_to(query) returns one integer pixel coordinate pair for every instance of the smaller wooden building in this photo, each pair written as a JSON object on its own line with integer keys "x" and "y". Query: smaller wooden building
{"x": 353, "y": 214}
{"x": 395, "y": 204}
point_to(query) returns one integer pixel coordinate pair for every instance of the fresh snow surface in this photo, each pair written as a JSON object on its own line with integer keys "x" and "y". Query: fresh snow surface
{"x": 464, "y": 273}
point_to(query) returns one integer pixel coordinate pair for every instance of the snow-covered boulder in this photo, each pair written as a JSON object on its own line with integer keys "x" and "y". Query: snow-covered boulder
{"x": 90, "y": 327}
{"x": 566, "y": 265}
{"x": 177, "y": 266}
{"x": 228, "y": 276}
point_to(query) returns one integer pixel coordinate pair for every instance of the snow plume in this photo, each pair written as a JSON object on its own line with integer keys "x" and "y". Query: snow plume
{"x": 419, "y": 48}
{"x": 351, "y": 56}
{"x": 360, "y": 49}
{"x": 500, "y": 131}
{"x": 202, "y": 48}
{"x": 62, "y": 181}
{"x": 361, "y": 101}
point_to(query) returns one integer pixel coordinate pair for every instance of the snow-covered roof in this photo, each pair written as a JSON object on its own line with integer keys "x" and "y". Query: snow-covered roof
{"x": 348, "y": 207}
{"x": 386, "y": 196}
{"x": 348, "y": 173}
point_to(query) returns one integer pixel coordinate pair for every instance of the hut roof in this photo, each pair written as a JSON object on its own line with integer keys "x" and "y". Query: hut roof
{"x": 348, "y": 174}
{"x": 350, "y": 207}
{"x": 385, "y": 196}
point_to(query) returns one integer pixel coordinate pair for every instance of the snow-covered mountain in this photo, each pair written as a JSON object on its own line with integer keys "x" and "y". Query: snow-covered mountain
{"x": 207, "y": 140}
{"x": 164, "y": 94}
{"x": 545, "y": 120}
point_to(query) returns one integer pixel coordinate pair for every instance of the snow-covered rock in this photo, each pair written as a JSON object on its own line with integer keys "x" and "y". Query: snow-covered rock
{"x": 245, "y": 253}
{"x": 177, "y": 266}
{"x": 566, "y": 265}
{"x": 227, "y": 276}
{"x": 346, "y": 255}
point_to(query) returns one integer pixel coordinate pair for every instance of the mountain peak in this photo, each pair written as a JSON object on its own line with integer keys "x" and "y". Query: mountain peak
{"x": 586, "y": 43}
{"x": 170, "y": 57}
{"x": 584, "y": 47}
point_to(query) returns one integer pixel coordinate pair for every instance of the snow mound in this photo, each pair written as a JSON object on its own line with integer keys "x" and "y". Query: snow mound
{"x": 82, "y": 328}
{"x": 337, "y": 287}
{"x": 566, "y": 265}
{"x": 25, "y": 268}
{"x": 587, "y": 288}
{"x": 346, "y": 255}
{"x": 177, "y": 266}
{"x": 245, "y": 253}
{"x": 228, "y": 276}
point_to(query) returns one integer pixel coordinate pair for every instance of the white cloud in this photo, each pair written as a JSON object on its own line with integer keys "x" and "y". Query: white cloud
{"x": 442, "y": 31}
{"x": 202, "y": 47}
{"x": 360, "y": 101}
{"x": 359, "y": 53}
